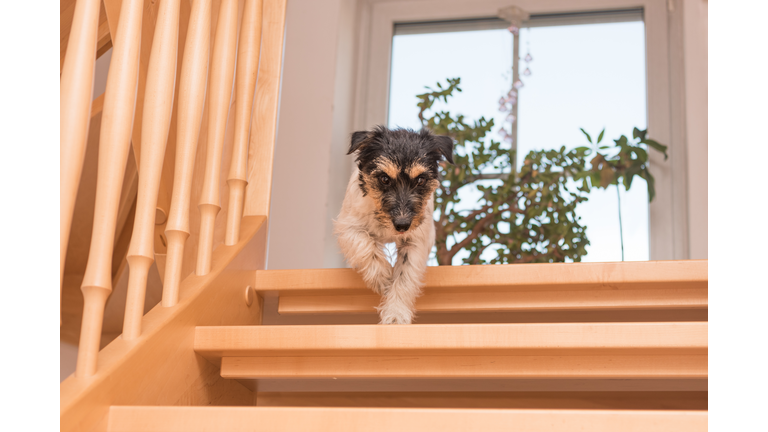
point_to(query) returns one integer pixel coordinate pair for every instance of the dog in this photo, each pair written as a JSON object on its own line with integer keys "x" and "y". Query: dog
{"x": 390, "y": 199}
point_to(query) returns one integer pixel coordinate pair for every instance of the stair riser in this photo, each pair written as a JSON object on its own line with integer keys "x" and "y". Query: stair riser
{"x": 587, "y": 300}
{"x": 508, "y": 367}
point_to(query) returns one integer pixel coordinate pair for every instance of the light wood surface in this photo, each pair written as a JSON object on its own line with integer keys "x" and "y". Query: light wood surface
{"x": 97, "y": 105}
{"x": 264, "y": 118}
{"x": 688, "y": 338}
{"x": 156, "y": 123}
{"x": 285, "y": 419}
{"x": 149, "y": 17}
{"x": 644, "y": 286}
{"x": 410, "y": 385}
{"x": 194, "y": 72}
{"x": 165, "y": 191}
{"x": 245, "y": 83}
{"x": 656, "y": 400}
{"x": 114, "y": 144}
{"x": 160, "y": 367}
{"x": 220, "y": 89}
{"x": 66, "y": 24}
{"x": 80, "y": 240}
{"x": 606, "y": 299}
{"x": 559, "y": 366}
{"x": 508, "y": 277}
{"x": 76, "y": 94}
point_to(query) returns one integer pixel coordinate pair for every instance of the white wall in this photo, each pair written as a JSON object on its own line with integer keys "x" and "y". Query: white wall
{"x": 310, "y": 166}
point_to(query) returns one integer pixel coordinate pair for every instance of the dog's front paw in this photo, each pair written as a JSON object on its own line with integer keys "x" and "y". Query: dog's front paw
{"x": 395, "y": 314}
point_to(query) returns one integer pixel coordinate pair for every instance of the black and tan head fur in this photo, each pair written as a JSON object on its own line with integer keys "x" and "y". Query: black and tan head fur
{"x": 398, "y": 170}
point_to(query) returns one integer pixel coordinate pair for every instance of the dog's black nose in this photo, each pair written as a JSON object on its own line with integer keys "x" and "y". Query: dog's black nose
{"x": 402, "y": 226}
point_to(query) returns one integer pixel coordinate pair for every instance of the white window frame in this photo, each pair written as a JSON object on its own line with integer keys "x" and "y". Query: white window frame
{"x": 668, "y": 211}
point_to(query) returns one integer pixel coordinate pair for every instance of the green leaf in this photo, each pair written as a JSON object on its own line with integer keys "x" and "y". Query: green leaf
{"x": 656, "y": 146}
{"x": 585, "y": 133}
{"x": 651, "y": 184}
{"x": 637, "y": 133}
{"x": 600, "y": 137}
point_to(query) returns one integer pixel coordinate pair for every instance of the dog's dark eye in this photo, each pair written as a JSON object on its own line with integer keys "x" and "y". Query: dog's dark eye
{"x": 384, "y": 179}
{"x": 420, "y": 181}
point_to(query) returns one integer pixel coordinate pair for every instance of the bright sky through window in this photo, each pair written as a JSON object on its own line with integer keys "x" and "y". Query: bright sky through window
{"x": 589, "y": 75}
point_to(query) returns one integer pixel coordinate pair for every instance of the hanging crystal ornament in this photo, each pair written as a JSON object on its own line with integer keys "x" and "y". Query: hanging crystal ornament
{"x": 515, "y": 30}
{"x": 528, "y": 58}
{"x": 518, "y": 84}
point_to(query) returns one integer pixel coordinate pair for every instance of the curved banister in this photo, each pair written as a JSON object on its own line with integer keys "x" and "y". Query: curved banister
{"x": 194, "y": 72}
{"x": 129, "y": 370}
{"x": 119, "y": 107}
{"x": 245, "y": 84}
{"x": 219, "y": 95}
{"x": 156, "y": 123}
{"x": 114, "y": 142}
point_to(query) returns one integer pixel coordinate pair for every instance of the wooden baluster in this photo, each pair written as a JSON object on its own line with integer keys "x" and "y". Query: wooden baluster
{"x": 264, "y": 117}
{"x": 156, "y": 123}
{"x": 220, "y": 93}
{"x": 114, "y": 143}
{"x": 75, "y": 113}
{"x": 194, "y": 72}
{"x": 245, "y": 83}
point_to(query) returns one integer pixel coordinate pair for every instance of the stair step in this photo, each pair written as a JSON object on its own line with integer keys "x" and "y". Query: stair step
{"x": 651, "y": 285}
{"x": 510, "y": 351}
{"x": 302, "y": 419}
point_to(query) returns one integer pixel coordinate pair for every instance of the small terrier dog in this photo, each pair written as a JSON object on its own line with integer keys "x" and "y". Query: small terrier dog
{"x": 390, "y": 199}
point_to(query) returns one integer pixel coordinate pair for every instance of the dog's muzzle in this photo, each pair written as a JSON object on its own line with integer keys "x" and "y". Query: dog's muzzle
{"x": 402, "y": 225}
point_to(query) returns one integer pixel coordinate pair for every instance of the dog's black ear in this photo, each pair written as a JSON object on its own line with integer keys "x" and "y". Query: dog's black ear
{"x": 359, "y": 138}
{"x": 444, "y": 145}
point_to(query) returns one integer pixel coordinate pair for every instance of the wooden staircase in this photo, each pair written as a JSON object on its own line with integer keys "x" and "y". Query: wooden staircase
{"x": 584, "y": 372}
{"x": 235, "y": 347}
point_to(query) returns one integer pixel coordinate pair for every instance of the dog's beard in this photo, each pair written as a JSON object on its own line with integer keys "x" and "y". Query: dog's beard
{"x": 387, "y": 221}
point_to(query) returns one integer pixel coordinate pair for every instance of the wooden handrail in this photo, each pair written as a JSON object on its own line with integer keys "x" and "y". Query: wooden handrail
{"x": 156, "y": 123}
{"x": 219, "y": 95}
{"x": 245, "y": 83}
{"x": 74, "y": 110}
{"x": 119, "y": 104}
{"x": 194, "y": 72}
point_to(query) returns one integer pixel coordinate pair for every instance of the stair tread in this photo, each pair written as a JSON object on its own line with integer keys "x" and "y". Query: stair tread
{"x": 516, "y": 287}
{"x": 528, "y": 338}
{"x": 290, "y": 419}
{"x": 612, "y": 275}
{"x": 469, "y": 351}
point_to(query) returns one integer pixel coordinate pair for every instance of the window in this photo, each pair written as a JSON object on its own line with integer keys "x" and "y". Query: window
{"x": 587, "y": 71}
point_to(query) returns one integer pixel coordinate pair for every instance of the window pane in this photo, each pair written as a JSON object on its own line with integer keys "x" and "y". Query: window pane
{"x": 591, "y": 77}
{"x": 583, "y": 76}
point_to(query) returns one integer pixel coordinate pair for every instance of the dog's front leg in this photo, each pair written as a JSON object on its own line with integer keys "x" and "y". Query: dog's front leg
{"x": 398, "y": 304}
{"x": 365, "y": 255}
